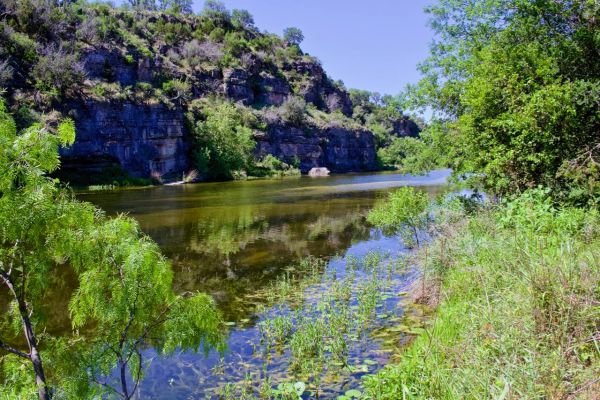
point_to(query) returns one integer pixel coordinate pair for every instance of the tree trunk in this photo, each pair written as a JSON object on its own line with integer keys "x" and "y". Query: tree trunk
{"x": 34, "y": 354}
{"x": 124, "y": 379}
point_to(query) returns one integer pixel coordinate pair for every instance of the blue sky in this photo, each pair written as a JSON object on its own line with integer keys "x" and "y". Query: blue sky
{"x": 373, "y": 45}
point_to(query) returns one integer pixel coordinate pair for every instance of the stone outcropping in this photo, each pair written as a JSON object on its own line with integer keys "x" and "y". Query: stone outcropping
{"x": 151, "y": 139}
{"x": 338, "y": 149}
{"x": 143, "y": 140}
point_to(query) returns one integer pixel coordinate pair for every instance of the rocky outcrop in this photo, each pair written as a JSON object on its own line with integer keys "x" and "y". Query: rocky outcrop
{"x": 236, "y": 86}
{"x": 145, "y": 140}
{"x": 406, "y": 128}
{"x": 272, "y": 90}
{"x": 338, "y": 149}
{"x": 316, "y": 88}
{"x": 110, "y": 65}
{"x": 151, "y": 140}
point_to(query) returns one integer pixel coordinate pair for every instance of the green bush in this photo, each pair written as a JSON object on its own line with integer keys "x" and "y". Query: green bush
{"x": 223, "y": 139}
{"x": 57, "y": 71}
{"x": 400, "y": 151}
{"x": 177, "y": 89}
{"x": 272, "y": 166}
{"x": 403, "y": 212}
{"x": 293, "y": 111}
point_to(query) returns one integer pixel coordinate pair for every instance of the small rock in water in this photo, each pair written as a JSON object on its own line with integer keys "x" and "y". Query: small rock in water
{"x": 318, "y": 171}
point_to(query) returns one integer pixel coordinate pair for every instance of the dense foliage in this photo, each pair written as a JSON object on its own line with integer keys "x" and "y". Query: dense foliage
{"x": 517, "y": 85}
{"x": 224, "y": 140}
{"x": 124, "y": 301}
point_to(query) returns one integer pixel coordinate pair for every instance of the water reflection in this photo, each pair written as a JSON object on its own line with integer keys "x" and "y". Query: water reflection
{"x": 232, "y": 238}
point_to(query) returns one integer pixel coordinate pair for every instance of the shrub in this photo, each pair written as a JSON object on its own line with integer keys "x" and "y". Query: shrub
{"x": 293, "y": 111}
{"x": 178, "y": 89}
{"x": 133, "y": 40}
{"x": 272, "y": 166}
{"x": 18, "y": 44}
{"x": 399, "y": 150}
{"x": 89, "y": 30}
{"x": 236, "y": 44}
{"x": 223, "y": 139}
{"x": 57, "y": 71}
{"x": 6, "y": 72}
{"x": 403, "y": 212}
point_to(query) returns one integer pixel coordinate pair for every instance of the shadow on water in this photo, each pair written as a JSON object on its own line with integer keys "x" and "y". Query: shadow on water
{"x": 234, "y": 239}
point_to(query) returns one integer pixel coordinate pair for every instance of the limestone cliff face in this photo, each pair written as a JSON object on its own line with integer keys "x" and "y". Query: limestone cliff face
{"x": 142, "y": 139}
{"x": 151, "y": 139}
{"x": 338, "y": 149}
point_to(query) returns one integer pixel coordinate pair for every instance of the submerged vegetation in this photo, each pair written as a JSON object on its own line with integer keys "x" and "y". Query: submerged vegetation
{"x": 326, "y": 325}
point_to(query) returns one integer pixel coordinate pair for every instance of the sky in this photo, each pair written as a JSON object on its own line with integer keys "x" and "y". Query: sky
{"x": 373, "y": 45}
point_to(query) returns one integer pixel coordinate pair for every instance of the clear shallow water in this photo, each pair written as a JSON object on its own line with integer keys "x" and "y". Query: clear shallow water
{"x": 233, "y": 240}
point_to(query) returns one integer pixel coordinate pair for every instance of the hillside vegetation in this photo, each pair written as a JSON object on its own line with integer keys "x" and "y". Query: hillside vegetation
{"x": 70, "y": 57}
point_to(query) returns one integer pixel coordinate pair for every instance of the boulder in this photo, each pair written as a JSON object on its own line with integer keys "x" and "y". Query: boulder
{"x": 318, "y": 172}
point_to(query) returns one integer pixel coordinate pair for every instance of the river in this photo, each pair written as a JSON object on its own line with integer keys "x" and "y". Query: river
{"x": 233, "y": 239}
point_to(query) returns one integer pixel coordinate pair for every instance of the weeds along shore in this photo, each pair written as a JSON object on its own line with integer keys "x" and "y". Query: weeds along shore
{"x": 516, "y": 291}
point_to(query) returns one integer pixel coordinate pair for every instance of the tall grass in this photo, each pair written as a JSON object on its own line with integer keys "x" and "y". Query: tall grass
{"x": 519, "y": 309}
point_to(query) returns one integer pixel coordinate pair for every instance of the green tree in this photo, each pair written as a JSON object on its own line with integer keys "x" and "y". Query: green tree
{"x": 404, "y": 212}
{"x": 224, "y": 141}
{"x": 124, "y": 301}
{"x": 142, "y": 4}
{"x": 293, "y": 35}
{"x": 176, "y": 6}
{"x": 217, "y": 11}
{"x": 242, "y": 19}
{"x": 518, "y": 82}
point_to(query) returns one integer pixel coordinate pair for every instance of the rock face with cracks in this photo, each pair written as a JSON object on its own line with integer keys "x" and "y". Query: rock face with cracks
{"x": 152, "y": 139}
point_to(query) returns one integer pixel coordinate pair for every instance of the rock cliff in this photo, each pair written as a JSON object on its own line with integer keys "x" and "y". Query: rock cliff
{"x": 143, "y": 140}
{"x": 148, "y": 140}
{"x": 128, "y": 79}
{"x": 338, "y": 149}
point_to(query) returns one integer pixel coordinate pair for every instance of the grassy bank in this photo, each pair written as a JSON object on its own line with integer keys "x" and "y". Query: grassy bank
{"x": 518, "y": 312}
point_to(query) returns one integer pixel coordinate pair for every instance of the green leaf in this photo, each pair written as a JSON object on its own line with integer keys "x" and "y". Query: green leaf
{"x": 353, "y": 394}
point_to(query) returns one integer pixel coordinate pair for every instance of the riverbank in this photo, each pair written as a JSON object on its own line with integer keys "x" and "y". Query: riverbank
{"x": 519, "y": 305}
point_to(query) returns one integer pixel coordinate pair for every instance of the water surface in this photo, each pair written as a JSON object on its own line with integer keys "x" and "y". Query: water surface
{"x": 233, "y": 239}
